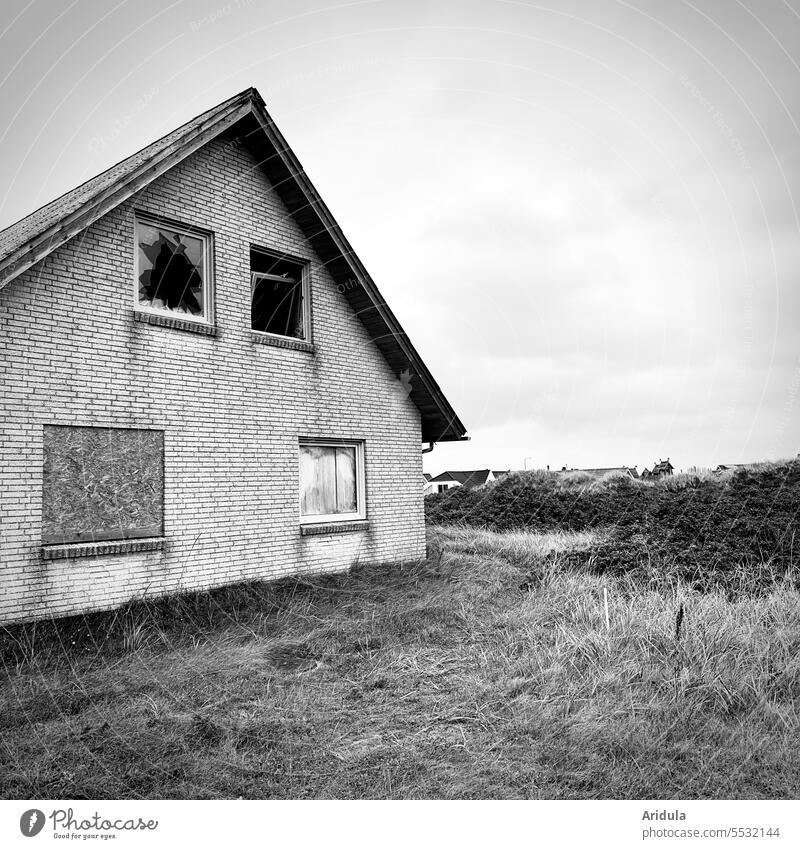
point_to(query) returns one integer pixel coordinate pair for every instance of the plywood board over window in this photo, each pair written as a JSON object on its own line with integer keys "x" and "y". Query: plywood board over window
{"x": 102, "y": 484}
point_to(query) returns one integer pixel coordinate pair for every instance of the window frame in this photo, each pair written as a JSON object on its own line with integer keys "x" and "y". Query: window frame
{"x": 195, "y": 232}
{"x": 305, "y": 292}
{"x": 360, "y": 513}
{"x": 107, "y": 536}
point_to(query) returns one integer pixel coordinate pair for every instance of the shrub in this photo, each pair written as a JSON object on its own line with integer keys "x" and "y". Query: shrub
{"x": 710, "y": 530}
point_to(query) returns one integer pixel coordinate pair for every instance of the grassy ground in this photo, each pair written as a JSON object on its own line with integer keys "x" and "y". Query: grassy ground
{"x": 488, "y": 671}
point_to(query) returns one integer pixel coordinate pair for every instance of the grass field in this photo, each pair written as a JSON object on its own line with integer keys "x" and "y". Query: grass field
{"x": 489, "y": 671}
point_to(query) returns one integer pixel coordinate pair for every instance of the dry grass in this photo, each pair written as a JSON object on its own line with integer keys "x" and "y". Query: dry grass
{"x": 487, "y": 671}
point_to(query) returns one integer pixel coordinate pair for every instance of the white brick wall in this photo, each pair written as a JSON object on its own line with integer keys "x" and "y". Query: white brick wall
{"x": 232, "y": 410}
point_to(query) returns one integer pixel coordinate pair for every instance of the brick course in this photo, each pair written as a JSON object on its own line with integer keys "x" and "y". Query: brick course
{"x": 232, "y": 409}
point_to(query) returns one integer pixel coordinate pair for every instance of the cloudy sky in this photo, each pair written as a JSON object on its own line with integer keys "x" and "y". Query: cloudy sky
{"x": 585, "y": 213}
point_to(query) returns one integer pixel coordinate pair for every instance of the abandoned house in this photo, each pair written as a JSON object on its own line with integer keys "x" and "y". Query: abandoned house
{"x": 201, "y": 382}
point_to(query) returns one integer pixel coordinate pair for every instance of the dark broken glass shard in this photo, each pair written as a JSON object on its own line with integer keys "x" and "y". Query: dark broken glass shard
{"x": 171, "y": 267}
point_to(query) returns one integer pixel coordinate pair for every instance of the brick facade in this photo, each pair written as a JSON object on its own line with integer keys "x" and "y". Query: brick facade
{"x": 232, "y": 409}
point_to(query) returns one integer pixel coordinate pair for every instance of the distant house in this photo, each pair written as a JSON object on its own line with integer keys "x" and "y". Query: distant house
{"x": 599, "y": 473}
{"x": 450, "y": 480}
{"x": 730, "y": 467}
{"x": 662, "y": 468}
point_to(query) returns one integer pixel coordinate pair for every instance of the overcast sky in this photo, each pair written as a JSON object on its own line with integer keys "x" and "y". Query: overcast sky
{"x": 584, "y": 213}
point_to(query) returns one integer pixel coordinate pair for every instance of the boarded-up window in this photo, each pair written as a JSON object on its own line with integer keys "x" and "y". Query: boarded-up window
{"x": 278, "y": 295}
{"x": 102, "y": 483}
{"x": 331, "y": 481}
{"x": 172, "y": 269}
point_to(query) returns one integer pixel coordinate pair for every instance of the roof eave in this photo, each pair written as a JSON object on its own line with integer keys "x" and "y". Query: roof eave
{"x": 28, "y": 254}
{"x": 439, "y": 422}
{"x": 453, "y": 429}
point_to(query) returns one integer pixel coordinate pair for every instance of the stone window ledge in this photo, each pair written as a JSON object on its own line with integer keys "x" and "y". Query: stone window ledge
{"x": 281, "y": 342}
{"x": 95, "y": 549}
{"x": 333, "y": 528}
{"x": 175, "y": 323}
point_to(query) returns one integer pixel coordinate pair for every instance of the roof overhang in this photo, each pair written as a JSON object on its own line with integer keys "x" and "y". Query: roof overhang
{"x": 247, "y": 116}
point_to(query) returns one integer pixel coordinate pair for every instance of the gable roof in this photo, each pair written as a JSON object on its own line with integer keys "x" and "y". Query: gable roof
{"x": 468, "y": 479}
{"x": 31, "y": 239}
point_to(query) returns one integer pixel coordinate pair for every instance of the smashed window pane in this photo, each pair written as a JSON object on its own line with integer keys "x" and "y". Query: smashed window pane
{"x": 102, "y": 483}
{"x": 171, "y": 268}
{"x": 328, "y": 483}
{"x": 277, "y": 305}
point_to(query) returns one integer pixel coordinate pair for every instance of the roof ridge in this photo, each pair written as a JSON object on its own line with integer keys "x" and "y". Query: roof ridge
{"x": 32, "y": 238}
{"x": 175, "y": 130}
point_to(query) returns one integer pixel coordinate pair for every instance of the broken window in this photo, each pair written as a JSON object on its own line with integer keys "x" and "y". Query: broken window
{"x": 278, "y": 294}
{"x": 172, "y": 269}
{"x": 102, "y": 483}
{"x": 331, "y": 481}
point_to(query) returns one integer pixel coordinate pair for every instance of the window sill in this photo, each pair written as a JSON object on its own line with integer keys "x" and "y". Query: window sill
{"x": 175, "y": 323}
{"x": 334, "y": 528}
{"x": 281, "y": 342}
{"x": 95, "y": 549}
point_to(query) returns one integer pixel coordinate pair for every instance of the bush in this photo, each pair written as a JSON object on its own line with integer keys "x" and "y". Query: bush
{"x": 711, "y": 531}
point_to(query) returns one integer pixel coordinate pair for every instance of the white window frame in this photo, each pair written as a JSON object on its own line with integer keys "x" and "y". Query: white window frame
{"x": 360, "y": 513}
{"x": 305, "y": 292}
{"x": 208, "y": 263}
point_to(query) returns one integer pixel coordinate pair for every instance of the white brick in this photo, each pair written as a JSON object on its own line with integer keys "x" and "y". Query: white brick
{"x": 232, "y": 410}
